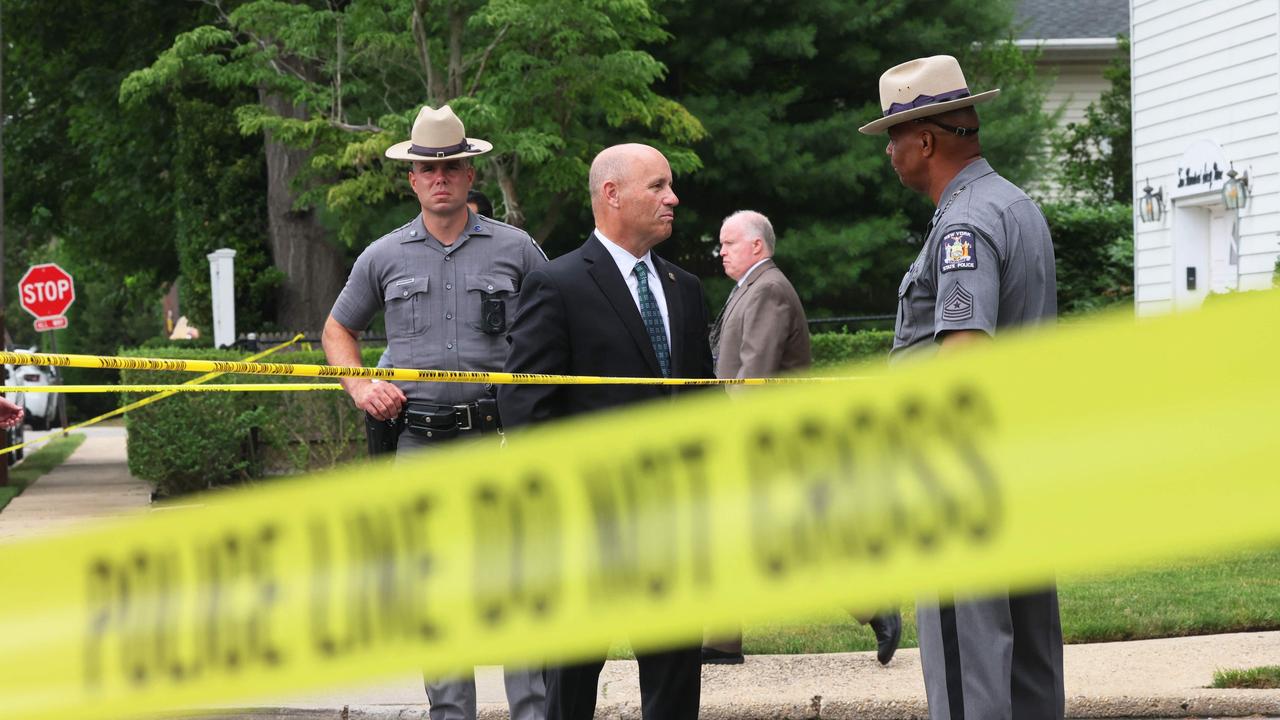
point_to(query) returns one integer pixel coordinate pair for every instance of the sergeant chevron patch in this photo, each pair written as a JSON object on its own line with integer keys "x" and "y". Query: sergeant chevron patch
{"x": 958, "y": 305}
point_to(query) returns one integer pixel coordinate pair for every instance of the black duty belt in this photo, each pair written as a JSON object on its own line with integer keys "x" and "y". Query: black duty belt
{"x": 442, "y": 422}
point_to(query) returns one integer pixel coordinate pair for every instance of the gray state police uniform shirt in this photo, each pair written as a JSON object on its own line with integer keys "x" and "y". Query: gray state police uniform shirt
{"x": 987, "y": 264}
{"x": 433, "y": 295}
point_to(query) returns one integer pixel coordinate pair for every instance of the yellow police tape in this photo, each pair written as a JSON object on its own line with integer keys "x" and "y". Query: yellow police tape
{"x": 230, "y": 387}
{"x": 1091, "y": 447}
{"x": 165, "y": 392}
{"x": 105, "y": 362}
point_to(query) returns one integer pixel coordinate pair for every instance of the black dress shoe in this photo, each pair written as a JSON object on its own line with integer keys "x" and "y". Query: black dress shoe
{"x": 888, "y": 629}
{"x": 712, "y": 656}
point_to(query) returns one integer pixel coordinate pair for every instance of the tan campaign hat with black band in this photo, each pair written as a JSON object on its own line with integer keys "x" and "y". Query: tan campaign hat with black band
{"x": 437, "y": 135}
{"x": 922, "y": 87}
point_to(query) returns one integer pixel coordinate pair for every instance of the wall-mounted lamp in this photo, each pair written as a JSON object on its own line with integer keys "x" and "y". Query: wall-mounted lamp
{"x": 1235, "y": 192}
{"x": 1151, "y": 204}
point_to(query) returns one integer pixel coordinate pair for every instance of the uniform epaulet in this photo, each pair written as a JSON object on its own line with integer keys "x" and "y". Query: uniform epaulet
{"x": 398, "y": 232}
{"x": 522, "y": 231}
{"x": 499, "y": 223}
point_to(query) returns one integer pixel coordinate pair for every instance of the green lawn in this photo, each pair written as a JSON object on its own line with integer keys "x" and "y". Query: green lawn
{"x": 47, "y": 457}
{"x": 1233, "y": 594}
{"x": 1259, "y": 678}
{"x": 1238, "y": 593}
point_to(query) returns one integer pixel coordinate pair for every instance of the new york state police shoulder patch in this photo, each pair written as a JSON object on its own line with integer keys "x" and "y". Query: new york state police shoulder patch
{"x": 959, "y": 251}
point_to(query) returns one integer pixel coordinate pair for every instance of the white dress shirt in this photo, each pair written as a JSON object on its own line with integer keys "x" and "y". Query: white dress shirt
{"x": 627, "y": 265}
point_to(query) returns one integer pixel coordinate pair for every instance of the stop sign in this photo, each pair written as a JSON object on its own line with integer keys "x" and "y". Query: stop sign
{"x": 46, "y": 290}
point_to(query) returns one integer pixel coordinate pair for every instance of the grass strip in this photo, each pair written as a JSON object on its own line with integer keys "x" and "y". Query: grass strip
{"x": 53, "y": 454}
{"x": 1266, "y": 677}
{"x": 1236, "y": 593}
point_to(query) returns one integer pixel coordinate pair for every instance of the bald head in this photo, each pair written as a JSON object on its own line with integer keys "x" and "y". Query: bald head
{"x": 614, "y": 163}
{"x": 631, "y": 196}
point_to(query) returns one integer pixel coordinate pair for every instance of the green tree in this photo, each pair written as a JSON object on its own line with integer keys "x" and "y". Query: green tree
{"x": 88, "y": 180}
{"x": 782, "y": 88}
{"x": 1097, "y": 153}
{"x": 219, "y": 180}
{"x": 548, "y": 81}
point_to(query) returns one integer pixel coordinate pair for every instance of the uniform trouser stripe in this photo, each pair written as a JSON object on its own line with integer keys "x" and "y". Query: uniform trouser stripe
{"x": 951, "y": 659}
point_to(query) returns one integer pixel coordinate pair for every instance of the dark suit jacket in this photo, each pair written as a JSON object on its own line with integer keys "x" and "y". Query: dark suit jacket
{"x": 763, "y": 330}
{"x": 577, "y": 317}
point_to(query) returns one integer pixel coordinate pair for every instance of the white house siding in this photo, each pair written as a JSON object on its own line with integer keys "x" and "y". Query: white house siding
{"x": 1205, "y": 70}
{"x": 1074, "y": 87}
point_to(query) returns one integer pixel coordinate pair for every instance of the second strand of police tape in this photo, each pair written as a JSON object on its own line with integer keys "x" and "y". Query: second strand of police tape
{"x": 164, "y": 392}
{"x": 984, "y": 470}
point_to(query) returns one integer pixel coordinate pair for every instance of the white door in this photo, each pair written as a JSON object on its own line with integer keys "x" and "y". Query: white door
{"x": 1224, "y": 257}
{"x": 1191, "y": 260}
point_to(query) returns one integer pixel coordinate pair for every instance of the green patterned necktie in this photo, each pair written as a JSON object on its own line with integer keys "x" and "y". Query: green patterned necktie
{"x": 653, "y": 320}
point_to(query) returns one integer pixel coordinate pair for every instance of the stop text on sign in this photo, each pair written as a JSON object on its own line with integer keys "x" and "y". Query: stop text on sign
{"x": 48, "y": 291}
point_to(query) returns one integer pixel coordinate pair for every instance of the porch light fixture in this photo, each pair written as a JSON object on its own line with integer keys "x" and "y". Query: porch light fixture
{"x": 1151, "y": 204}
{"x": 1235, "y": 192}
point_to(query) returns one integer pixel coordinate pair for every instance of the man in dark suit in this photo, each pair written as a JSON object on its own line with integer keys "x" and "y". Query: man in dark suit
{"x": 613, "y": 307}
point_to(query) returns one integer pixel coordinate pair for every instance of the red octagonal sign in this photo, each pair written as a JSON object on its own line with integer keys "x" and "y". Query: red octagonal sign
{"x": 46, "y": 291}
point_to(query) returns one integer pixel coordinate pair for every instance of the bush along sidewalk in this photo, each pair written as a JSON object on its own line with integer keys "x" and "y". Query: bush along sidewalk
{"x": 38, "y": 463}
{"x": 836, "y": 348}
{"x": 196, "y": 441}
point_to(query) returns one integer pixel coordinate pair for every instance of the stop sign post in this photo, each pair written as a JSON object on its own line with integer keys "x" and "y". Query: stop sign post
{"x": 46, "y": 291}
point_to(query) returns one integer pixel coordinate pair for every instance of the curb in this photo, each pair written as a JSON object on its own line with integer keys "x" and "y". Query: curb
{"x": 1221, "y": 704}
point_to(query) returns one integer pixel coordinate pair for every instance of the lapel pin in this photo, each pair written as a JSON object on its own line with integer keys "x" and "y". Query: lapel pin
{"x": 671, "y": 276}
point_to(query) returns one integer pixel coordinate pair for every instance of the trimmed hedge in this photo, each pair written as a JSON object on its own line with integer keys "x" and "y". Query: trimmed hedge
{"x": 833, "y": 348}
{"x": 1093, "y": 246}
{"x": 195, "y": 441}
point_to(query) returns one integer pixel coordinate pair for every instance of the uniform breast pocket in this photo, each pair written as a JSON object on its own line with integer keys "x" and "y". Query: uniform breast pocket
{"x": 490, "y": 302}
{"x": 406, "y": 307}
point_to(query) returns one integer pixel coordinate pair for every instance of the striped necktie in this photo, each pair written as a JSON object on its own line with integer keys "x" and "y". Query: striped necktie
{"x": 653, "y": 319}
{"x": 718, "y": 324}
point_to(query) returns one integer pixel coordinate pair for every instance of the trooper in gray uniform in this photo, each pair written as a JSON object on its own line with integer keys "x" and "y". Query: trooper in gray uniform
{"x": 449, "y": 281}
{"x": 986, "y": 267}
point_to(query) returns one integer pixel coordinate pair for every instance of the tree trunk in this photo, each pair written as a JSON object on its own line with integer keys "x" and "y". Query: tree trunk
{"x": 313, "y": 267}
{"x": 4, "y": 331}
{"x": 510, "y": 196}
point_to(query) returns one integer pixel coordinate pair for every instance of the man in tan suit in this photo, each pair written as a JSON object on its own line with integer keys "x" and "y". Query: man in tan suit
{"x": 762, "y": 332}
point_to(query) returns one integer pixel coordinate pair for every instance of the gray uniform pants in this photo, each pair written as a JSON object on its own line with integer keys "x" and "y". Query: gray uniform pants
{"x": 455, "y": 698}
{"x": 998, "y": 658}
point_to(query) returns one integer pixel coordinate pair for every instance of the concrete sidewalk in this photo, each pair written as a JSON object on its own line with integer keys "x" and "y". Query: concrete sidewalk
{"x": 93, "y": 483}
{"x": 1149, "y": 678}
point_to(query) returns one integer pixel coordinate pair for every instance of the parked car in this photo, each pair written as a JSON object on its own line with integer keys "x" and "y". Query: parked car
{"x": 42, "y": 408}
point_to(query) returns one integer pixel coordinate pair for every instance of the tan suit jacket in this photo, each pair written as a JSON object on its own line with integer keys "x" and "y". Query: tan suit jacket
{"x": 763, "y": 330}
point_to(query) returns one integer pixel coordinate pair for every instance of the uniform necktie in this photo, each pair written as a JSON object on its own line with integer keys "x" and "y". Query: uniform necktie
{"x": 653, "y": 319}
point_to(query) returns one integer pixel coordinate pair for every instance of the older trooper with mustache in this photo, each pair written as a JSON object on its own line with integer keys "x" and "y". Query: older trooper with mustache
{"x": 448, "y": 281}
{"x": 613, "y": 307}
{"x": 986, "y": 268}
